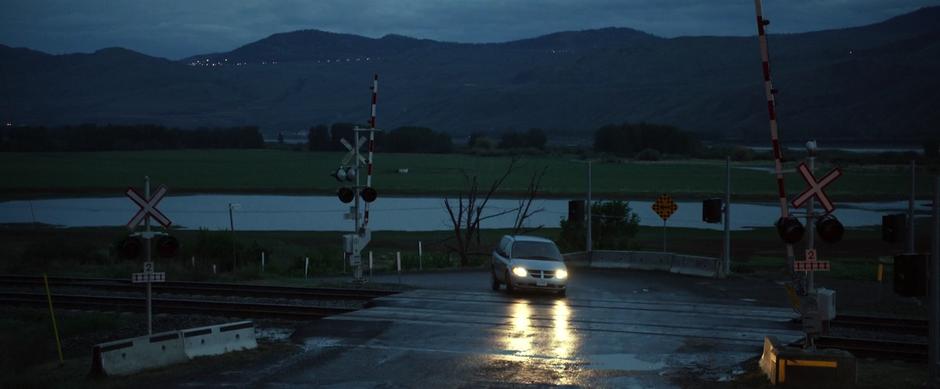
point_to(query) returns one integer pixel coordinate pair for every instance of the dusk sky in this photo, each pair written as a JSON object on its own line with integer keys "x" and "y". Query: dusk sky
{"x": 181, "y": 28}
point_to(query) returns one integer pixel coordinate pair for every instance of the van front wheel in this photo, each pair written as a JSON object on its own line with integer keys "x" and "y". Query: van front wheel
{"x": 509, "y": 287}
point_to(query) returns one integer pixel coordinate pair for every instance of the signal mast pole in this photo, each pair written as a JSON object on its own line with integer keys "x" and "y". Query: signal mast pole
{"x": 355, "y": 242}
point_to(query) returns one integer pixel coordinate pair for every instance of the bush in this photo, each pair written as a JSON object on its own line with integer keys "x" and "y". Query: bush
{"x": 648, "y": 155}
{"x": 742, "y": 154}
{"x": 626, "y": 139}
{"x": 613, "y": 226}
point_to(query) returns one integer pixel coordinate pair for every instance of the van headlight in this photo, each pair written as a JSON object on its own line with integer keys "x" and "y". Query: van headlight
{"x": 561, "y": 274}
{"x": 519, "y": 271}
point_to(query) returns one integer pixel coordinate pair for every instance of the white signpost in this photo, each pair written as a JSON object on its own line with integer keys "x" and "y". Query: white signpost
{"x": 148, "y": 209}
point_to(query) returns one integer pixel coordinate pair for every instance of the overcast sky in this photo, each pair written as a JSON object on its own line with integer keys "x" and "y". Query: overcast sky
{"x": 181, "y": 28}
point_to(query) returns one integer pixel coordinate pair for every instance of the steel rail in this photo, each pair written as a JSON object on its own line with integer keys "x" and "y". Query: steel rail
{"x": 173, "y": 305}
{"x": 205, "y": 288}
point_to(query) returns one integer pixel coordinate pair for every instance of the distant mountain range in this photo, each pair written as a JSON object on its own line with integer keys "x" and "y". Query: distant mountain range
{"x": 870, "y": 83}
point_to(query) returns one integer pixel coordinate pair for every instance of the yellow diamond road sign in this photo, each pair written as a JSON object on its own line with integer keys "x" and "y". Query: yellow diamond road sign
{"x": 664, "y": 206}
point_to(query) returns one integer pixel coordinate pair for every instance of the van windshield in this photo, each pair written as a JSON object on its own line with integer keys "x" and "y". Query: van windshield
{"x": 536, "y": 250}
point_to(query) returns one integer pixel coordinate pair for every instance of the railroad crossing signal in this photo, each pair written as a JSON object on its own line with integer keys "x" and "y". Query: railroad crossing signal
{"x": 664, "y": 206}
{"x": 148, "y": 207}
{"x": 816, "y": 188}
{"x": 811, "y": 264}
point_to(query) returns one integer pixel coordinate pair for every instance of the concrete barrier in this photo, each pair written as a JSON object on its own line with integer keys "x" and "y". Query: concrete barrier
{"x": 695, "y": 266}
{"x": 219, "y": 339}
{"x": 128, "y": 356}
{"x": 646, "y": 260}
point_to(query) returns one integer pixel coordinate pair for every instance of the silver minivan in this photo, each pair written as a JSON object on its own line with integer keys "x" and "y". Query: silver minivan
{"x": 529, "y": 262}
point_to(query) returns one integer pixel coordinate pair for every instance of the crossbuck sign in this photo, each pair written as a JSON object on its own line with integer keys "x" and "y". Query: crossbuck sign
{"x": 816, "y": 188}
{"x": 148, "y": 207}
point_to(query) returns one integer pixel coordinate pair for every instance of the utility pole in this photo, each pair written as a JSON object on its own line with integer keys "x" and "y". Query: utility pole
{"x": 231, "y": 222}
{"x": 933, "y": 352}
{"x": 910, "y": 211}
{"x": 726, "y": 257}
{"x": 590, "y": 241}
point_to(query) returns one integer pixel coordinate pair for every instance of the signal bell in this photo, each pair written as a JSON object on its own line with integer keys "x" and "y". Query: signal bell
{"x": 829, "y": 228}
{"x": 790, "y": 229}
{"x": 344, "y": 174}
{"x": 711, "y": 210}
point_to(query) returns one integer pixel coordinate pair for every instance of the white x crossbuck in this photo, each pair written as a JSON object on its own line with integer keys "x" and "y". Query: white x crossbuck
{"x": 352, "y": 150}
{"x": 148, "y": 207}
{"x": 816, "y": 188}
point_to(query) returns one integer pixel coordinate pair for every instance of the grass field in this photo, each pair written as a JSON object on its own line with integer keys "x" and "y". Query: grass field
{"x": 285, "y": 171}
{"x": 86, "y": 251}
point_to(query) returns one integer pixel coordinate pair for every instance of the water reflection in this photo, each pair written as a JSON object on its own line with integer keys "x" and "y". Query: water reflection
{"x": 541, "y": 339}
{"x": 562, "y": 337}
{"x": 520, "y": 335}
{"x": 539, "y": 335}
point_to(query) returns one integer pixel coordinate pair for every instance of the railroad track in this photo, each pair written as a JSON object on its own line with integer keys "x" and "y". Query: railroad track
{"x": 874, "y": 345}
{"x": 875, "y": 348}
{"x": 910, "y": 326}
{"x": 203, "y": 288}
{"x": 174, "y": 305}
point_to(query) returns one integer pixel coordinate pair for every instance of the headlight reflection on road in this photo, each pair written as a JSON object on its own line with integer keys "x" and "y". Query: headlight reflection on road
{"x": 520, "y": 335}
{"x": 529, "y": 338}
{"x": 562, "y": 337}
{"x": 541, "y": 339}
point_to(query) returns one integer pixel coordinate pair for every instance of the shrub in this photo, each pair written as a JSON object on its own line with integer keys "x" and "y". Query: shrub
{"x": 648, "y": 155}
{"x": 613, "y": 226}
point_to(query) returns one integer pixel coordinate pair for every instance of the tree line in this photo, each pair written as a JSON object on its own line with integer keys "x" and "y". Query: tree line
{"x": 90, "y": 137}
{"x": 632, "y": 139}
{"x": 408, "y": 139}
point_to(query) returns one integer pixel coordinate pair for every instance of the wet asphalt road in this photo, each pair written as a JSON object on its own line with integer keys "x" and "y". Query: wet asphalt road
{"x": 615, "y": 329}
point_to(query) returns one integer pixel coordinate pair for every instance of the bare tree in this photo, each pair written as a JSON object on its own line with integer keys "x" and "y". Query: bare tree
{"x": 467, "y": 212}
{"x": 525, "y": 211}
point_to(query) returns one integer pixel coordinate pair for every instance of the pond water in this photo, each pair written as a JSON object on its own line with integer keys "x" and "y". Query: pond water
{"x": 325, "y": 213}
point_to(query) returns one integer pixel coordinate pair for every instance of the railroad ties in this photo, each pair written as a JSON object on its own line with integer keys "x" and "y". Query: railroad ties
{"x": 292, "y": 308}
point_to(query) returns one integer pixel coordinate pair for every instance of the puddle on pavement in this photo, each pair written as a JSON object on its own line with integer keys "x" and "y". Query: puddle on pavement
{"x": 273, "y": 334}
{"x": 320, "y": 342}
{"x": 626, "y": 362}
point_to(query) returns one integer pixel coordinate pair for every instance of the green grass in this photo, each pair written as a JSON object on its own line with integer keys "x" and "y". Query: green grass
{"x": 85, "y": 252}
{"x": 29, "y": 332}
{"x": 285, "y": 171}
